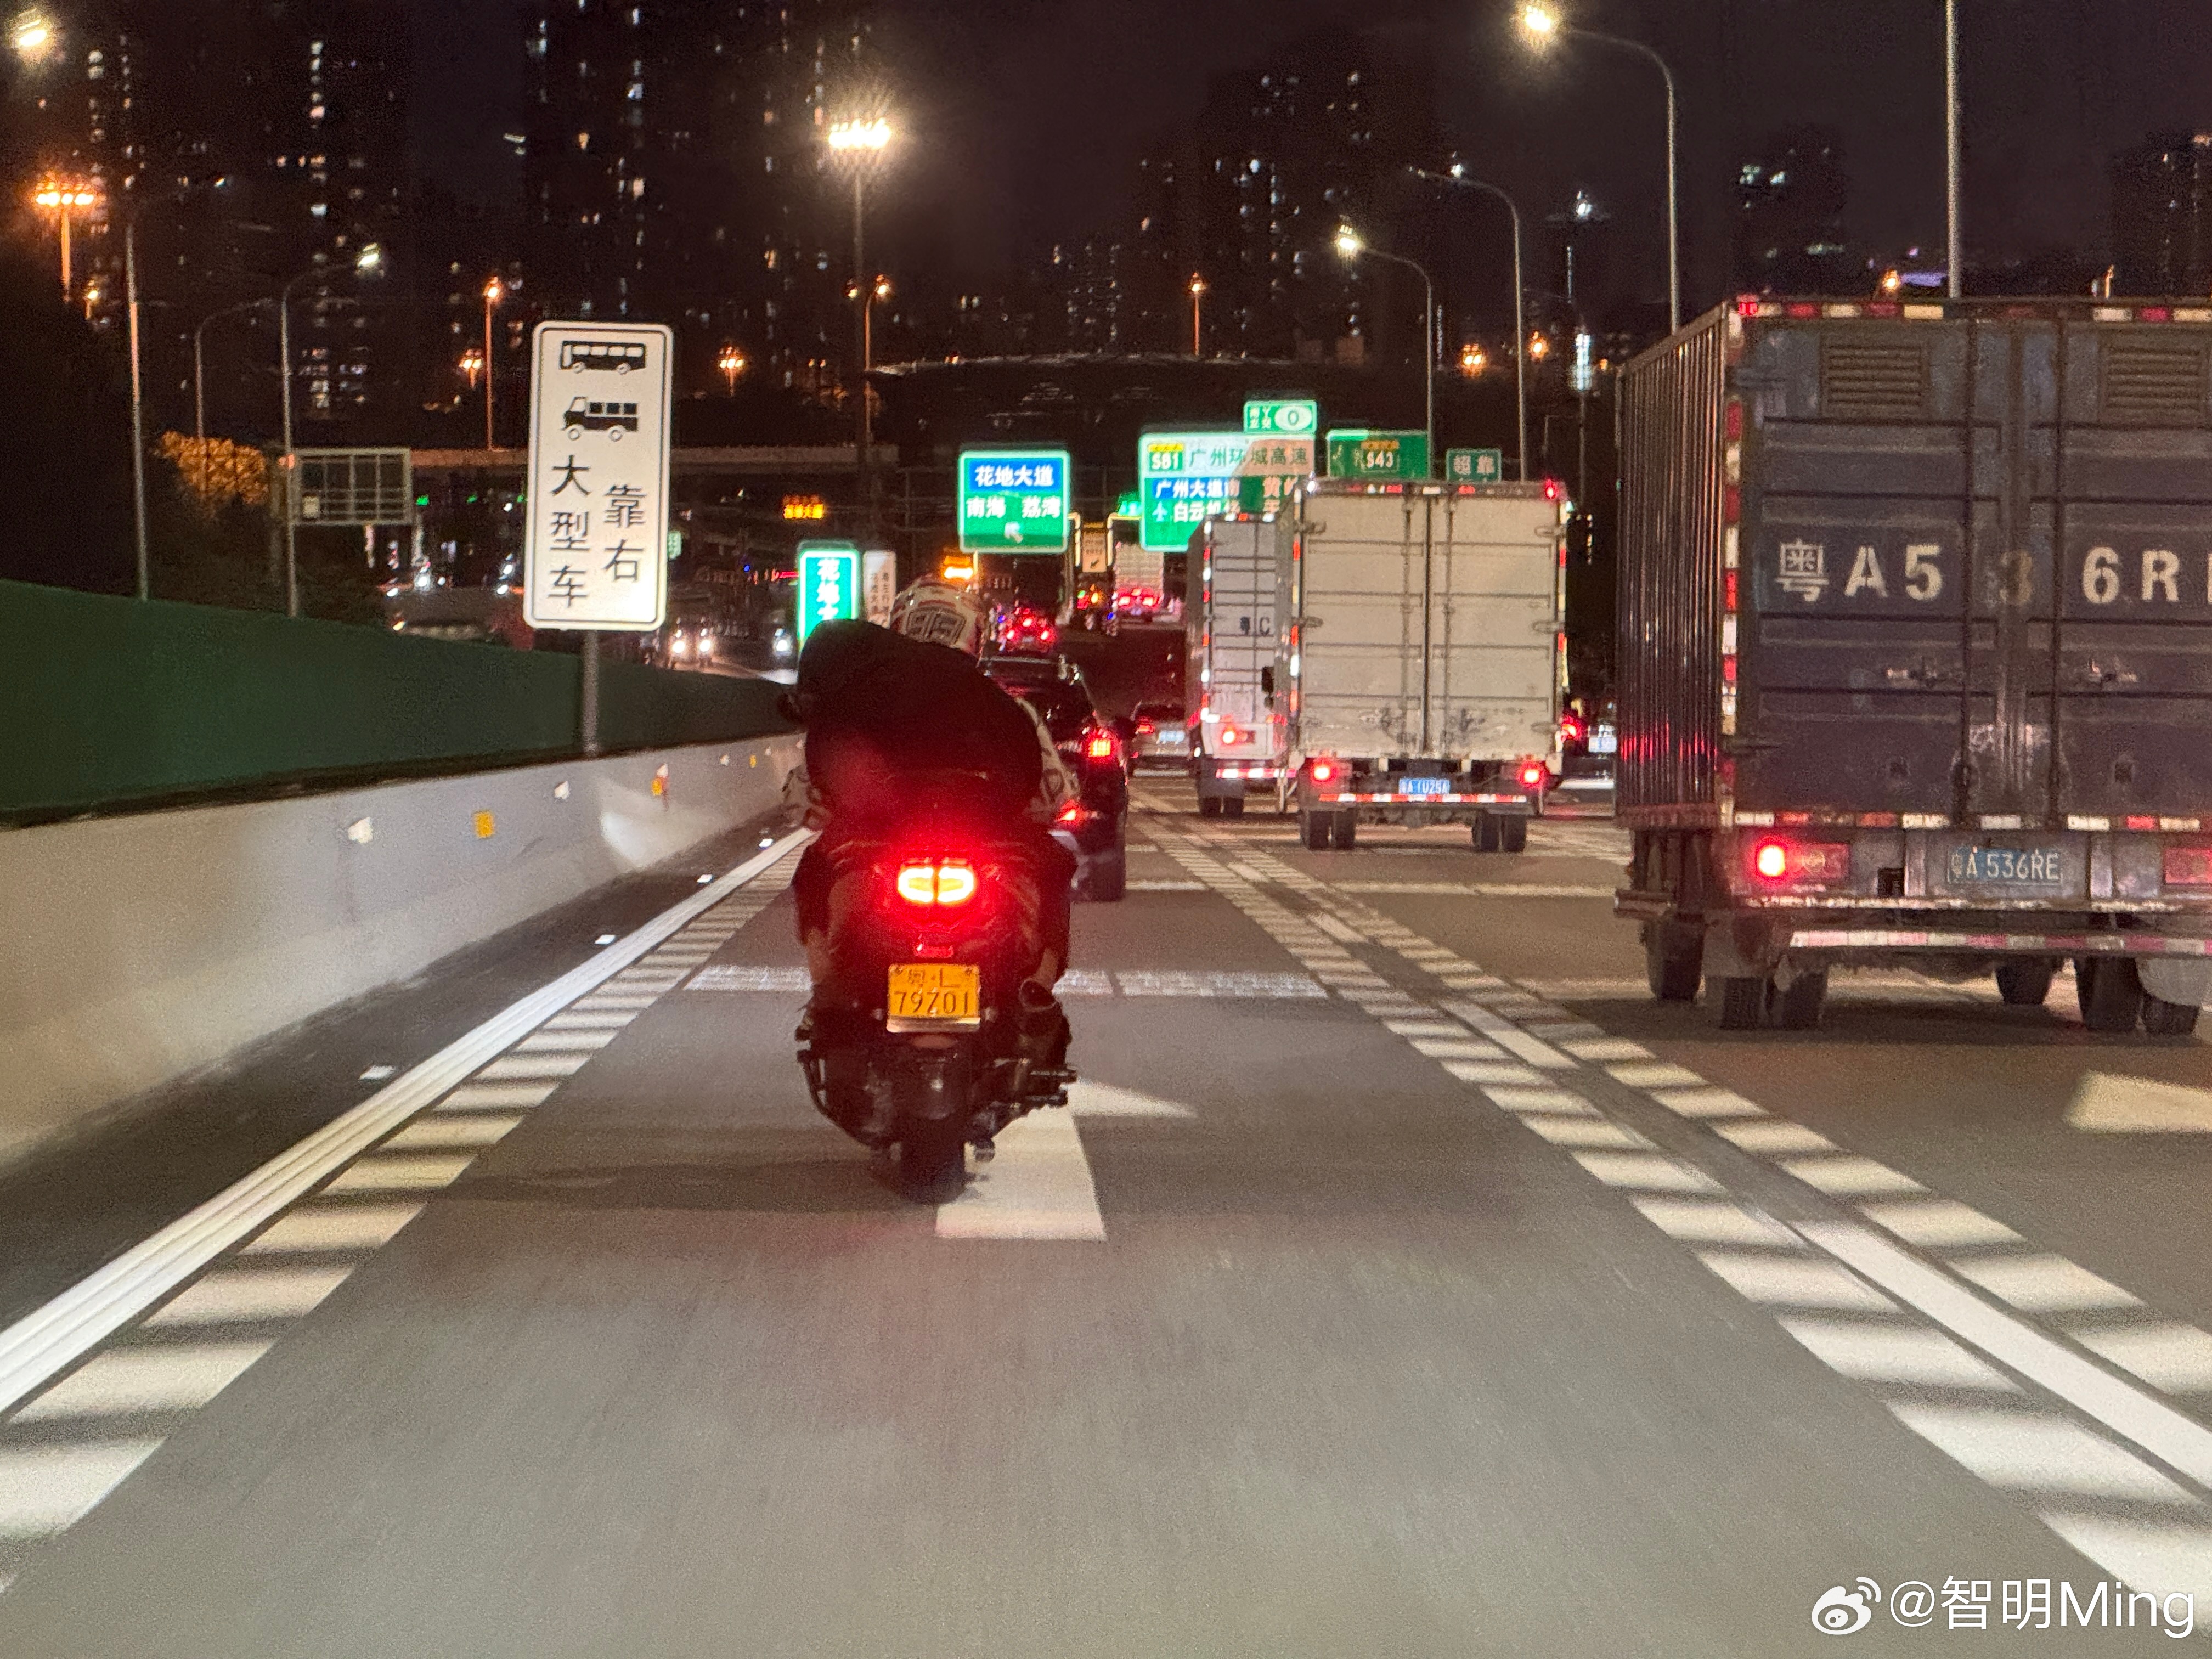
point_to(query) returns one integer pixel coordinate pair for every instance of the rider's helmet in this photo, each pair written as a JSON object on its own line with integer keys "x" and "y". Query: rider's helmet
{"x": 940, "y": 612}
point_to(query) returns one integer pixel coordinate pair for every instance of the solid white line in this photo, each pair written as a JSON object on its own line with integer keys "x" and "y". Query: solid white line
{"x": 44, "y": 1343}
{"x": 1038, "y": 1186}
{"x": 2160, "y": 1430}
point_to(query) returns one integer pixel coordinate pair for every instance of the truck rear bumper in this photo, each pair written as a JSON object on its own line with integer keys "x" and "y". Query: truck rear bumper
{"x": 1961, "y": 942}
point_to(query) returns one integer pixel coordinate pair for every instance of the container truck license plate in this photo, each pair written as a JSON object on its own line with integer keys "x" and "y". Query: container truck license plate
{"x": 1424, "y": 786}
{"x": 940, "y": 993}
{"x": 2016, "y": 867}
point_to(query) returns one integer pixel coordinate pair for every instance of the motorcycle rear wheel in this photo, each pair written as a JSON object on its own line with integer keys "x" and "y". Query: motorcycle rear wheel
{"x": 932, "y": 1159}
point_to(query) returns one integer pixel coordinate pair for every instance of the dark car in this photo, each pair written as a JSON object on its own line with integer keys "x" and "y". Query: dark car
{"x": 1160, "y": 738}
{"x": 1095, "y": 826}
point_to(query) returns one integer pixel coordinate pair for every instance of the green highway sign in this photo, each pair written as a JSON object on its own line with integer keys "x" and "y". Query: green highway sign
{"x": 1296, "y": 417}
{"x": 828, "y": 584}
{"x": 1378, "y": 455}
{"x": 1474, "y": 466}
{"x": 1014, "y": 500}
{"x": 1185, "y": 477}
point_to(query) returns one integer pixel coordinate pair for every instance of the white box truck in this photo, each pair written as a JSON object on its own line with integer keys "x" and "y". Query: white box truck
{"x": 1239, "y": 591}
{"x": 1422, "y": 664}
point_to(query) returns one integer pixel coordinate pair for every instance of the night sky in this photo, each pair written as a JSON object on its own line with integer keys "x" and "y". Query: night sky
{"x": 1025, "y": 115}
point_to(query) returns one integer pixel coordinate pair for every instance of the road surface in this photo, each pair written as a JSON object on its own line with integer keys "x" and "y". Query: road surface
{"x": 1402, "y": 1281}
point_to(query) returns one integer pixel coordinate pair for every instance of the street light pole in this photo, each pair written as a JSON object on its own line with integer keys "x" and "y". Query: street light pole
{"x": 1520, "y": 326}
{"x": 137, "y": 407}
{"x": 861, "y": 142}
{"x": 1955, "y": 260}
{"x": 1349, "y": 244}
{"x": 366, "y": 261}
{"x": 199, "y": 365}
{"x": 1197, "y": 299}
{"x": 492, "y": 295}
{"x": 1541, "y": 24}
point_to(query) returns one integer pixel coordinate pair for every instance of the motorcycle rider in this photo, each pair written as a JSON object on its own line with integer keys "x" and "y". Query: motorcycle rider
{"x": 885, "y": 708}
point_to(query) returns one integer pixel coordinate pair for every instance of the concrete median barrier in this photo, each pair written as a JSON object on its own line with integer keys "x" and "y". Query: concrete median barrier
{"x": 142, "y": 947}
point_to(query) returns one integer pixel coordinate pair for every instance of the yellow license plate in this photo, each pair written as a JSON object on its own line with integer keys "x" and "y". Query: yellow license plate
{"x": 936, "y": 993}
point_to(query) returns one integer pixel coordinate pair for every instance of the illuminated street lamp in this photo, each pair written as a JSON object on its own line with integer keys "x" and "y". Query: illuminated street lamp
{"x": 859, "y": 144}
{"x": 471, "y": 364}
{"x": 62, "y": 197}
{"x": 1472, "y": 359}
{"x": 1351, "y": 247}
{"x": 493, "y": 294}
{"x": 33, "y": 36}
{"x": 731, "y": 362}
{"x": 1543, "y": 26}
{"x": 1538, "y": 347}
{"x": 1197, "y": 299}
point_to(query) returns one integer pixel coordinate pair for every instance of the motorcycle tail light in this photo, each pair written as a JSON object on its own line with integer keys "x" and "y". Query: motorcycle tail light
{"x": 946, "y": 882}
{"x": 1100, "y": 746}
{"x": 1071, "y": 813}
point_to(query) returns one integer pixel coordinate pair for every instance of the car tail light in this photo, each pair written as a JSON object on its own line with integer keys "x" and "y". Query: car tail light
{"x": 2189, "y": 865}
{"x": 1100, "y": 746}
{"x": 1146, "y": 728}
{"x": 1799, "y": 861}
{"x": 1071, "y": 813}
{"x": 945, "y": 882}
{"x": 1532, "y": 773}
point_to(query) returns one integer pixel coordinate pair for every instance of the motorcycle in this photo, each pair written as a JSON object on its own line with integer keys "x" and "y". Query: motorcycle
{"x": 927, "y": 1034}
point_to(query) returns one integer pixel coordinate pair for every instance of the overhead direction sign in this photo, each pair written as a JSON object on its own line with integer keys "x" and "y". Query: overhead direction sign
{"x": 1296, "y": 417}
{"x": 596, "y": 529}
{"x": 1014, "y": 500}
{"x": 1474, "y": 466}
{"x": 1379, "y": 455}
{"x": 354, "y": 487}
{"x": 1185, "y": 477}
{"x": 828, "y": 584}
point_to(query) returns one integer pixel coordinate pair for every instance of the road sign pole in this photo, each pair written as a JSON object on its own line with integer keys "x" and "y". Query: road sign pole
{"x": 587, "y": 713}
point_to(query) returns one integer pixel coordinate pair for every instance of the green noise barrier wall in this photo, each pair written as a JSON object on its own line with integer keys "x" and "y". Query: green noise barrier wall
{"x": 109, "y": 703}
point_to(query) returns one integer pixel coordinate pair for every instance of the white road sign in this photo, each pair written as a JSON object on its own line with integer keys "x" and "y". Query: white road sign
{"x": 597, "y": 538}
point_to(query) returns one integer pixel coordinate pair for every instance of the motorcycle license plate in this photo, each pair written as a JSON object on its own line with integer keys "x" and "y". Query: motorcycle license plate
{"x": 935, "y": 994}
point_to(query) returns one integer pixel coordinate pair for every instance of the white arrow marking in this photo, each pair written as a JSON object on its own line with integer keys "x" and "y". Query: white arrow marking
{"x": 2134, "y": 1105}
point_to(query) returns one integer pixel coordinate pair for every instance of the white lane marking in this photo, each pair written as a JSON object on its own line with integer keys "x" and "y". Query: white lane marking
{"x": 733, "y": 978}
{"x": 1655, "y": 1074}
{"x": 2043, "y": 1284}
{"x": 168, "y": 1377}
{"x": 1167, "y": 887}
{"x": 1487, "y": 1072}
{"x": 2134, "y": 1105}
{"x": 1217, "y": 985}
{"x": 1094, "y": 1099}
{"x": 1511, "y": 1036}
{"x": 2156, "y": 1560}
{"x": 49, "y": 1340}
{"x": 1773, "y": 1135}
{"x": 491, "y": 1097}
{"x": 1936, "y": 1223}
{"x": 568, "y": 1042}
{"x": 1038, "y": 1186}
{"x": 433, "y": 1132}
{"x": 399, "y": 1174}
{"x": 1424, "y": 1028}
{"x": 1536, "y": 1100}
{"x": 1648, "y": 1171}
{"x": 2174, "y": 1357}
{"x": 45, "y": 1490}
{"x": 240, "y": 1295}
{"x": 380, "y": 1073}
{"x": 1457, "y": 1047}
{"x": 1711, "y": 1221}
{"x": 1479, "y": 888}
{"x": 2035, "y": 1451}
{"x": 605, "y": 1020}
{"x": 1606, "y": 1048}
{"x": 1845, "y": 1177}
{"x": 1343, "y": 932}
{"x": 1084, "y": 982}
{"x": 2166, "y": 1434}
{"x": 605, "y": 1000}
{"x": 1793, "y": 1281}
{"x": 518, "y": 1067}
{"x": 313, "y": 1228}
{"x": 1577, "y": 1131}
{"x": 1895, "y": 1353}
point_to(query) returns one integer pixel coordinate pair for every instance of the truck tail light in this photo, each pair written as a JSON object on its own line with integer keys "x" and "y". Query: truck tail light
{"x": 1230, "y": 735}
{"x": 1780, "y": 862}
{"x": 1324, "y": 771}
{"x": 1532, "y": 773}
{"x": 2189, "y": 865}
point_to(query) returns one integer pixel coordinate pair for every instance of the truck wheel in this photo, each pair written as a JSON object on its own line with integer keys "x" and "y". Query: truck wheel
{"x": 1232, "y": 806}
{"x": 2026, "y": 984}
{"x": 1673, "y": 960}
{"x": 1512, "y": 835}
{"x": 1107, "y": 881}
{"x": 1798, "y": 1008}
{"x": 1344, "y": 831}
{"x": 1209, "y": 806}
{"x": 2164, "y": 1018}
{"x": 2110, "y": 992}
{"x": 1743, "y": 1003}
{"x": 1314, "y": 830}
{"x": 1483, "y": 833}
